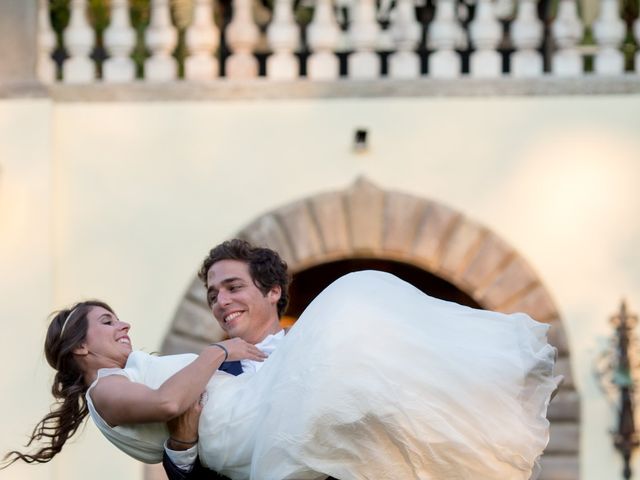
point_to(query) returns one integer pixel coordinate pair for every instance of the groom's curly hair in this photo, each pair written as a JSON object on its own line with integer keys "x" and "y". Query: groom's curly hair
{"x": 266, "y": 267}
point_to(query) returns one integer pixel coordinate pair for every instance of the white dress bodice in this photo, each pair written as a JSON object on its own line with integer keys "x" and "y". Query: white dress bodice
{"x": 145, "y": 442}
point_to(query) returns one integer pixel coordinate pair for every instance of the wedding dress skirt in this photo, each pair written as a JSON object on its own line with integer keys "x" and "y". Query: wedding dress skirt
{"x": 376, "y": 380}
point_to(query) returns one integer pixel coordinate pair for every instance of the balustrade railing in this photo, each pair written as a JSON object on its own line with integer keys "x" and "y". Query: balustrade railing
{"x": 110, "y": 41}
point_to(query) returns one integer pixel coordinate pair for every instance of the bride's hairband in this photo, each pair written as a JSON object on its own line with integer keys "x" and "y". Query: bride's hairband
{"x": 66, "y": 320}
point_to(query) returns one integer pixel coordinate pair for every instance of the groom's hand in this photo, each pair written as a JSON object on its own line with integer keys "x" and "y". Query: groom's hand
{"x": 183, "y": 429}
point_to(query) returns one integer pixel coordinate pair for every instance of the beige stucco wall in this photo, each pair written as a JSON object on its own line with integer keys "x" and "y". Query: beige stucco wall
{"x": 121, "y": 200}
{"x": 26, "y": 268}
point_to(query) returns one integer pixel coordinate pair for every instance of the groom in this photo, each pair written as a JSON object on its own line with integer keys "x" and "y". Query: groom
{"x": 247, "y": 291}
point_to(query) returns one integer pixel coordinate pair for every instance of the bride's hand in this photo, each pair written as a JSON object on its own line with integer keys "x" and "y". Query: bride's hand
{"x": 240, "y": 350}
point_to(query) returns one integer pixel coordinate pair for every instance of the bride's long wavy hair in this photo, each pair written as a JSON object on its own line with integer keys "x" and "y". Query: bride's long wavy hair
{"x": 67, "y": 330}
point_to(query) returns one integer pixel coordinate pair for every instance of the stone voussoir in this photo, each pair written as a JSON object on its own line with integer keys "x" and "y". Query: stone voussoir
{"x": 565, "y": 407}
{"x": 432, "y": 234}
{"x": 365, "y": 207}
{"x": 267, "y": 232}
{"x": 564, "y": 437}
{"x": 330, "y": 213}
{"x": 487, "y": 261}
{"x": 560, "y": 467}
{"x": 537, "y": 303}
{"x": 402, "y": 216}
{"x": 300, "y": 226}
{"x": 174, "y": 344}
{"x": 196, "y": 321}
{"x": 558, "y": 337}
{"x": 460, "y": 247}
{"x": 514, "y": 279}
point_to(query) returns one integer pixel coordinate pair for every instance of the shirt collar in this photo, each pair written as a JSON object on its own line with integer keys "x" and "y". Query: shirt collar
{"x": 270, "y": 340}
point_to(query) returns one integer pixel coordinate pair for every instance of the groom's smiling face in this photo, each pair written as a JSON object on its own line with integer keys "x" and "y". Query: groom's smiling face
{"x": 239, "y": 306}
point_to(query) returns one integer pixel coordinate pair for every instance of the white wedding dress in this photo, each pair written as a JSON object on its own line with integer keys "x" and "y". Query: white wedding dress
{"x": 376, "y": 380}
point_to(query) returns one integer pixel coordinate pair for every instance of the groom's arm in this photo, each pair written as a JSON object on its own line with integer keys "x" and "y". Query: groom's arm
{"x": 179, "y": 461}
{"x": 194, "y": 471}
{"x": 190, "y": 467}
{"x": 198, "y": 472}
{"x": 181, "y": 448}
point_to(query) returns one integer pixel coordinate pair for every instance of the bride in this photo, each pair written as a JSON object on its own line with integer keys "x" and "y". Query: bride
{"x": 375, "y": 380}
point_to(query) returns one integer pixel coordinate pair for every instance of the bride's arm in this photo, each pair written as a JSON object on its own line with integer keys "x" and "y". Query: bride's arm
{"x": 120, "y": 401}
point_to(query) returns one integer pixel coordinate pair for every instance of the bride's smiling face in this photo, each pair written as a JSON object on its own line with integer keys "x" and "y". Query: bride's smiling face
{"x": 107, "y": 338}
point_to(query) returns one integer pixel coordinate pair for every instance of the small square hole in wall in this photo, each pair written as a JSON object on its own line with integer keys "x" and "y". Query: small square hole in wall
{"x": 360, "y": 140}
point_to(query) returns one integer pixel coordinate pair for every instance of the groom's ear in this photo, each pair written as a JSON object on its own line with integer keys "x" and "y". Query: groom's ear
{"x": 274, "y": 294}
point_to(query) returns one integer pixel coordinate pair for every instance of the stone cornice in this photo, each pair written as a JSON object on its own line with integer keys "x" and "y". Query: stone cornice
{"x": 262, "y": 89}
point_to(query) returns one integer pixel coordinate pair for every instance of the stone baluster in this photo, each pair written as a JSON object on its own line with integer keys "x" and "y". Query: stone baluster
{"x": 242, "y": 37}
{"x": 636, "y": 32}
{"x": 443, "y": 32}
{"x": 485, "y": 32}
{"x": 161, "y": 38}
{"x": 504, "y": 9}
{"x": 567, "y": 31}
{"x": 78, "y": 39}
{"x": 364, "y": 63}
{"x": 323, "y": 36}
{"x": 119, "y": 40}
{"x": 344, "y": 9}
{"x": 283, "y": 36}
{"x": 406, "y": 32}
{"x": 46, "y": 67}
{"x": 526, "y": 33}
{"x": 609, "y": 31}
{"x": 202, "y": 40}
{"x": 385, "y": 41}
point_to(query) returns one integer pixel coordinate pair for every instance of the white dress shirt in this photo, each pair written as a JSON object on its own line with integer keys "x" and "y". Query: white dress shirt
{"x": 268, "y": 345}
{"x": 184, "y": 459}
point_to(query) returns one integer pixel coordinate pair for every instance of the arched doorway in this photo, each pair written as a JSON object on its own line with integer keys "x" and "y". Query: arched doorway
{"x": 423, "y": 241}
{"x": 308, "y": 283}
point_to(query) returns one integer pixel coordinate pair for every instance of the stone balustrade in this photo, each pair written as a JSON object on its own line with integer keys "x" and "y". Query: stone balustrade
{"x": 327, "y": 40}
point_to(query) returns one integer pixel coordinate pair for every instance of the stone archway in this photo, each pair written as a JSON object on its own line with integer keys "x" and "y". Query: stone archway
{"x": 367, "y": 221}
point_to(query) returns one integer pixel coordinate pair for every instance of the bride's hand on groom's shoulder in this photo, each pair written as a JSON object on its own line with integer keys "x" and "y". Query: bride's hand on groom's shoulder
{"x": 240, "y": 350}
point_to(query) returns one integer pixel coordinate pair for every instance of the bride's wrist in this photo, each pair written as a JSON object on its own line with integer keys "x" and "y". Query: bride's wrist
{"x": 223, "y": 348}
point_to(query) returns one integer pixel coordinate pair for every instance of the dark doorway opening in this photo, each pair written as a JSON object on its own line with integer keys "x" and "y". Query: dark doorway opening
{"x": 307, "y": 284}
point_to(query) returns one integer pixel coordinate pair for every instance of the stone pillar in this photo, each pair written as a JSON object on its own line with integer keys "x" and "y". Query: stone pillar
{"x": 609, "y": 31}
{"x": 567, "y": 31}
{"x": 242, "y": 38}
{"x": 444, "y": 61}
{"x": 283, "y": 35}
{"x": 364, "y": 30}
{"x": 203, "y": 38}
{"x": 18, "y": 41}
{"x": 526, "y": 36}
{"x": 323, "y": 34}
{"x": 485, "y": 32}
{"x": 161, "y": 38}
{"x": 406, "y": 32}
